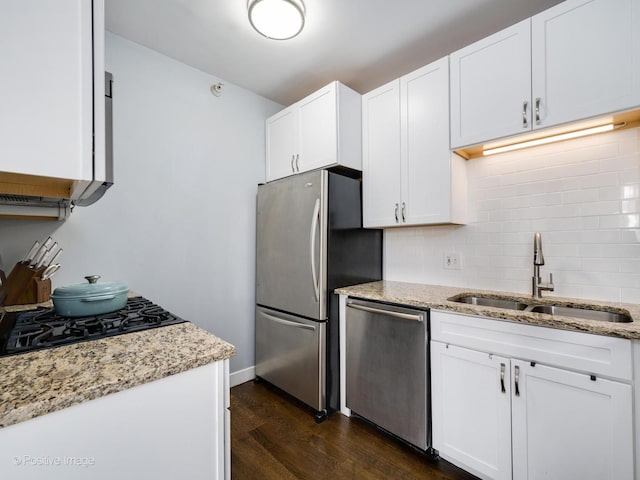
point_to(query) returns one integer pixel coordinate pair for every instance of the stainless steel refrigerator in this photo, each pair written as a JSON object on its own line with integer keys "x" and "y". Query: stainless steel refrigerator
{"x": 310, "y": 241}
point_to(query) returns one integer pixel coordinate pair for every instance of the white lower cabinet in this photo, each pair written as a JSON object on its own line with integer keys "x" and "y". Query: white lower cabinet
{"x": 175, "y": 427}
{"x": 566, "y": 425}
{"x": 471, "y": 412}
{"x": 502, "y": 411}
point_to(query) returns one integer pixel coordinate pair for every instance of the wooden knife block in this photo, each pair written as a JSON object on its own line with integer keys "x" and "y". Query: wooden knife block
{"x": 25, "y": 285}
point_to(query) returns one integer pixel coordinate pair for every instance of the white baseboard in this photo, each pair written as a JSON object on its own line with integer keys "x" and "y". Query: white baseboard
{"x": 242, "y": 376}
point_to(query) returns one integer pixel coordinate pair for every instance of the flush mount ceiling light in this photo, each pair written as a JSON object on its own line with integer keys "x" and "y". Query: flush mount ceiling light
{"x": 277, "y": 19}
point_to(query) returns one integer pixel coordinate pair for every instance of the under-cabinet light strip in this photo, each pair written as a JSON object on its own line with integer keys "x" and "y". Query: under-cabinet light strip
{"x": 555, "y": 138}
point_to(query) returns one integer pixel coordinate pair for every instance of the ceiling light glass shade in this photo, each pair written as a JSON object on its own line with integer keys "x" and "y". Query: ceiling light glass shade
{"x": 277, "y": 19}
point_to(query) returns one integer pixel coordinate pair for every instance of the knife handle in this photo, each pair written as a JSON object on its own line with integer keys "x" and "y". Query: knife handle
{"x": 29, "y": 256}
{"x": 54, "y": 259}
{"x": 43, "y": 261}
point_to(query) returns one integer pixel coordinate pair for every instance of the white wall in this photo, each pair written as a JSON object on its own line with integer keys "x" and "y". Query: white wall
{"x": 178, "y": 226}
{"x": 583, "y": 195}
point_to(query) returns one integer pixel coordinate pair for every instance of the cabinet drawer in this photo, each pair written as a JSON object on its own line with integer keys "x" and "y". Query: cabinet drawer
{"x": 594, "y": 354}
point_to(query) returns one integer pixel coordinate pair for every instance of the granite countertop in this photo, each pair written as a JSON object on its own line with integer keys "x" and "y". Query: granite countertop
{"x": 435, "y": 297}
{"x": 44, "y": 381}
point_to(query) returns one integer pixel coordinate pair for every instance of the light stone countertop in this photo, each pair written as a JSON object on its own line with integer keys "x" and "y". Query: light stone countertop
{"x": 44, "y": 381}
{"x": 436, "y": 297}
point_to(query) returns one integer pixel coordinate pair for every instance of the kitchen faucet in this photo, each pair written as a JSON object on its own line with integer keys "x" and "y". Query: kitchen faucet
{"x": 538, "y": 260}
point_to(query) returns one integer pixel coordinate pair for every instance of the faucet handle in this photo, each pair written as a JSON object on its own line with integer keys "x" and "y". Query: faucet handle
{"x": 550, "y": 287}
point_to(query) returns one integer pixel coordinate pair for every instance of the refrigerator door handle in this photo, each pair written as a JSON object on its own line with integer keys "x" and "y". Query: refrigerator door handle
{"x": 288, "y": 323}
{"x": 312, "y": 247}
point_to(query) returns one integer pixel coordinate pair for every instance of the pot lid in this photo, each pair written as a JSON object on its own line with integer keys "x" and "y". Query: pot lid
{"x": 91, "y": 289}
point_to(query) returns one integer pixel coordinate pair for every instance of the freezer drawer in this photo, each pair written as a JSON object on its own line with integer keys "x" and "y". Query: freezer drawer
{"x": 387, "y": 370}
{"x": 290, "y": 354}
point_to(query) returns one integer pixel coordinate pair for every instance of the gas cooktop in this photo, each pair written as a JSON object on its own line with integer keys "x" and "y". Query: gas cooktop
{"x": 42, "y": 328}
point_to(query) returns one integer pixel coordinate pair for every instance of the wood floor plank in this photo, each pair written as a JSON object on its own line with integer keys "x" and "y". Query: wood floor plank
{"x": 275, "y": 437}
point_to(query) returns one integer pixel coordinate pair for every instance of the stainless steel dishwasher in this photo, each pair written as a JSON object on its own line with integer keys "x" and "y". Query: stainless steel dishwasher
{"x": 387, "y": 368}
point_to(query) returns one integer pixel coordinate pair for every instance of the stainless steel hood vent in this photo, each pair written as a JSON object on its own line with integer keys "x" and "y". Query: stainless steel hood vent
{"x": 23, "y": 206}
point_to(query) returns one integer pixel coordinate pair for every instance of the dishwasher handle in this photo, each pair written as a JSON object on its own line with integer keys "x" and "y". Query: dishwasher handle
{"x": 390, "y": 313}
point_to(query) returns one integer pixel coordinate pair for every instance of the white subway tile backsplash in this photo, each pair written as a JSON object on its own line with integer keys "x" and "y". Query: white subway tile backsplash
{"x": 589, "y": 181}
{"x": 588, "y": 195}
{"x": 615, "y": 164}
{"x": 630, "y": 295}
{"x": 599, "y": 208}
{"x": 630, "y": 191}
{"x": 557, "y": 250}
{"x": 631, "y": 235}
{"x": 583, "y": 195}
{"x": 603, "y": 264}
{"x": 627, "y": 220}
{"x": 629, "y": 176}
{"x": 614, "y": 192}
{"x": 630, "y": 206}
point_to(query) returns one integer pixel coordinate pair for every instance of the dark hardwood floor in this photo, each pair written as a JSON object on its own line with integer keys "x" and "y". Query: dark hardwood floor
{"x": 273, "y": 437}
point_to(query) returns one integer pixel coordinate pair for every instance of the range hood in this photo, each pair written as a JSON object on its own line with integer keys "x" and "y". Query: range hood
{"x": 47, "y": 198}
{"x": 36, "y": 208}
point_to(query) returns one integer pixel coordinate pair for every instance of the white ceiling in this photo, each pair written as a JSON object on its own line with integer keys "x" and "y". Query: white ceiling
{"x": 362, "y": 43}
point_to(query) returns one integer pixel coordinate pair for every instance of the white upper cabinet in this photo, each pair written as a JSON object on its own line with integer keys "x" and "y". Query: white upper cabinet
{"x": 410, "y": 176}
{"x": 282, "y": 143}
{"x": 381, "y": 155}
{"x": 321, "y": 130}
{"x": 577, "y": 60}
{"x": 433, "y": 180}
{"x": 318, "y": 116}
{"x": 51, "y": 52}
{"x": 585, "y": 58}
{"x": 491, "y": 87}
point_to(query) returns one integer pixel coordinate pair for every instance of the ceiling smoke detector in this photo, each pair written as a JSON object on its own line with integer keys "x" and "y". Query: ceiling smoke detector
{"x": 216, "y": 89}
{"x": 277, "y": 19}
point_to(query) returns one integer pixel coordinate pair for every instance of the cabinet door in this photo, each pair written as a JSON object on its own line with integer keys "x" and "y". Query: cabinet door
{"x": 585, "y": 59}
{"x": 318, "y": 129}
{"x": 566, "y": 425}
{"x": 381, "y": 156}
{"x": 46, "y": 96}
{"x": 470, "y": 394}
{"x": 281, "y": 143}
{"x": 491, "y": 87}
{"x": 425, "y": 158}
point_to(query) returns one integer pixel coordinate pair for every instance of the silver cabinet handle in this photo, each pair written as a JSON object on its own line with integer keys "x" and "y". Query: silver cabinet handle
{"x": 389, "y": 313}
{"x": 525, "y": 119}
{"x": 502, "y": 368}
{"x": 517, "y": 380}
{"x": 292, "y": 167}
{"x": 396, "y": 213}
{"x": 312, "y": 248}
{"x": 297, "y": 165}
{"x": 288, "y": 322}
{"x": 537, "y": 110}
{"x": 404, "y": 211}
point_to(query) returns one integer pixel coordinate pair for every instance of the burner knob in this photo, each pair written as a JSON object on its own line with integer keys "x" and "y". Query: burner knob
{"x": 92, "y": 278}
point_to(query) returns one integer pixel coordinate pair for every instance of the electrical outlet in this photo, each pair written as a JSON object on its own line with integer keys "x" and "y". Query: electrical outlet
{"x": 452, "y": 260}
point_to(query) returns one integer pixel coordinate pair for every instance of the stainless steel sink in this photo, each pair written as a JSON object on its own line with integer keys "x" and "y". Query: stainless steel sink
{"x": 601, "y": 315}
{"x": 551, "y": 309}
{"x": 491, "y": 302}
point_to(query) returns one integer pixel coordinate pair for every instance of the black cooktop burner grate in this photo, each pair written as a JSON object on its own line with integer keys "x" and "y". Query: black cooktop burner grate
{"x": 43, "y": 328}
